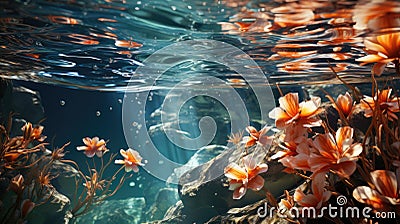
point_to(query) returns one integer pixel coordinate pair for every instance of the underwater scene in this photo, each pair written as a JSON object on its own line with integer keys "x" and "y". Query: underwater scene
{"x": 178, "y": 111}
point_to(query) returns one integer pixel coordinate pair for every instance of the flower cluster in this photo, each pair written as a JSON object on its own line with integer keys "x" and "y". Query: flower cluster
{"x": 245, "y": 175}
{"x": 329, "y": 160}
{"x": 28, "y": 165}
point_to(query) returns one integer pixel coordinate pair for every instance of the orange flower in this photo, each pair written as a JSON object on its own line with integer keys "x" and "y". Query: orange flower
{"x": 382, "y": 49}
{"x": 387, "y": 104}
{"x": 293, "y": 117}
{"x": 17, "y": 184}
{"x": 31, "y": 133}
{"x": 93, "y": 146}
{"x": 27, "y": 129}
{"x": 241, "y": 178}
{"x": 131, "y": 161}
{"x": 257, "y": 136}
{"x": 386, "y": 190}
{"x": 318, "y": 196}
{"x": 344, "y": 104}
{"x": 295, "y": 157}
{"x": 338, "y": 154}
{"x": 37, "y": 133}
{"x": 289, "y": 150}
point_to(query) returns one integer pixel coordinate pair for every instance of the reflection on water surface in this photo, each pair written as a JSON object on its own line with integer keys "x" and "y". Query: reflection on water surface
{"x": 99, "y": 44}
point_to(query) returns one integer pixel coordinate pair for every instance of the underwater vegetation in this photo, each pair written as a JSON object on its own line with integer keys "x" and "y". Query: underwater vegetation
{"x": 360, "y": 166}
{"x": 28, "y": 168}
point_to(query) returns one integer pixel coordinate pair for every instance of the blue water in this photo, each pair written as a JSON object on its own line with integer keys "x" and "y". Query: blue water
{"x": 76, "y": 43}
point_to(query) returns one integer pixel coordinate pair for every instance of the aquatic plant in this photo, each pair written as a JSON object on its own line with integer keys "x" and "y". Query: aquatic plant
{"x": 27, "y": 166}
{"x": 96, "y": 188}
{"x": 361, "y": 165}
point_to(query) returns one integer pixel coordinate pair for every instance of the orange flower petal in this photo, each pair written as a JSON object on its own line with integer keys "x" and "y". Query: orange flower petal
{"x": 256, "y": 184}
{"x": 235, "y": 172}
{"x": 342, "y": 134}
{"x": 378, "y": 69}
{"x": 308, "y": 108}
{"x": 239, "y": 192}
{"x": 371, "y": 45}
{"x": 290, "y": 103}
{"x": 385, "y": 182}
{"x": 370, "y": 58}
{"x": 317, "y": 185}
{"x": 369, "y": 196}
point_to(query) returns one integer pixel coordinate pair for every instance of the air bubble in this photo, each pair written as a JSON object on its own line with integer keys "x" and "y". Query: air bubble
{"x": 62, "y": 102}
{"x": 110, "y": 108}
{"x": 119, "y": 100}
{"x": 132, "y": 184}
{"x": 98, "y": 113}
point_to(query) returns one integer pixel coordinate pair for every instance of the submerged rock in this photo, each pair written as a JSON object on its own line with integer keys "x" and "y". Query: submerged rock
{"x": 115, "y": 211}
{"x": 205, "y": 194}
{"x": 27, "y": 104}
{"x": 23, "y": 103}
{"x": 201, "y": 156}
{"x": 173, "y": 215}
{"x": 164, "y": 198}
